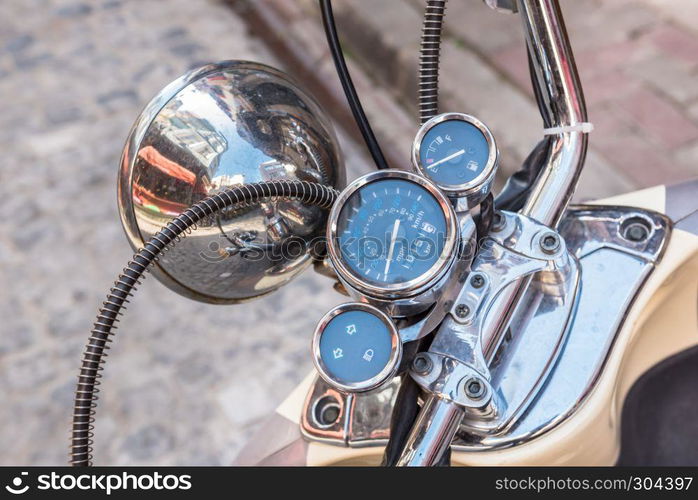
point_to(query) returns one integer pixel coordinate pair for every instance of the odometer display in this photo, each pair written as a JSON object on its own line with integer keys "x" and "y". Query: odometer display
{"x": 391, "y": 232}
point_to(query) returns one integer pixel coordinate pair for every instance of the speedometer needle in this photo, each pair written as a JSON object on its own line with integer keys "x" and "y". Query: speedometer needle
{"x": 392, "y": 246}
{"x": 449, "y": 157}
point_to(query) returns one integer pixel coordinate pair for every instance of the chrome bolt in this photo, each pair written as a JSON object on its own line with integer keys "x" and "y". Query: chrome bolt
{"x": 422, "y": 364}
{"x": 498, "y": 221}
{"x": 550, "y": 242}
{"x": 477, "y": 281}
{"x": 462, "y": 310}
{"x": 636, "y": 232}
{"x": 474, "y": 388}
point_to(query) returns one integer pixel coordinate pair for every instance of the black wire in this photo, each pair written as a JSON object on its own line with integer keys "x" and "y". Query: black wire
{"x": 484, "y": 217}
{"x": 515, "y": 192}
{"x": 348, "y": 86}
{"x": 85, "y": 403}
{"x": 536, "y": 89}
{"x": 405, "y": 413}
{"x": 406, "y": 406}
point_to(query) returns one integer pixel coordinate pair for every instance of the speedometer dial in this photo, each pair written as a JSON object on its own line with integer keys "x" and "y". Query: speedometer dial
{"x": 391, "y": 231}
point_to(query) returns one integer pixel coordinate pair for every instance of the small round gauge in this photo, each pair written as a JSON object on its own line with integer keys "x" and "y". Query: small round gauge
{"x": 391, "y": 233}
{"x": 356, "y": 347}
{"x": 456, "y": 151}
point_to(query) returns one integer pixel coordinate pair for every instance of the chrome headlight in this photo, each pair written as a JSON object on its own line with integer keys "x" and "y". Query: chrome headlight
{"x": 223, "y": 125}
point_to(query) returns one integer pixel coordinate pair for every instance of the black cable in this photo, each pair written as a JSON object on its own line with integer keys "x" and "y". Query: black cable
{"x": 513, "y": 195}
{"x": 484, "y": 217}
{"x": 348, "y": 86}
{"x": 429, "y": 52}
{"x": 93, "y": 358}
{"x": 404, "y": 415}
{"x": 536, "y": 90}
{"x": 406, "y": 409}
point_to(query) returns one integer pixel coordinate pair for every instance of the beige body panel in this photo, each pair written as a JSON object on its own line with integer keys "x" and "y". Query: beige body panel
{"x": 663, "y": 321}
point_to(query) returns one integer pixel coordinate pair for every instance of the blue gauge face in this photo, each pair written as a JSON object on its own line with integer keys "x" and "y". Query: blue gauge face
{"x": 355, "y": 346}
{"x": 453, "y": 153}
{"x": 390, "y": 232}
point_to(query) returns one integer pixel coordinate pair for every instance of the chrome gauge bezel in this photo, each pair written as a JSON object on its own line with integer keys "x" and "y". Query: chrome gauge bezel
{"x": 483, "y": 180}
{"x": 384, "y": 375}
{"x": 397, "y": 290}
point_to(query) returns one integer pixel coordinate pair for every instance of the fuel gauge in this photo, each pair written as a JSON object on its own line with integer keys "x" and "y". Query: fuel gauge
{"x": 458, "y": 153}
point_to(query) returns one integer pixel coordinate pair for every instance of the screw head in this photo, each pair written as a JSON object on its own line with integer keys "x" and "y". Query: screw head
{"x": 477, "y": 281}
{"x": 474, "y": 388}
{"x": 550, "y": 242}
{"x": 422, "y": 364}
{"x": 636, "y": 232}
{"x": 462, "y": 310}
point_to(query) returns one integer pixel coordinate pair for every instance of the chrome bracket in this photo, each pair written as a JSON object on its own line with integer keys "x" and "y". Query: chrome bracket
{"x": 515, "y": 252}
{"x": 447, "y": 296}
{"x": 358, "y": 420}
{"x": 448, "y": 378}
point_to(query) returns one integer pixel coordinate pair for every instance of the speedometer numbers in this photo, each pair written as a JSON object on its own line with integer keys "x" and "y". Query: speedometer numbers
{"x": 391, "y": 233}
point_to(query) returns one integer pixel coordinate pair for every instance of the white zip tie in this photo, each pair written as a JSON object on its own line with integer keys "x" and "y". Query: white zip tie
{"x": 583, "y": 127}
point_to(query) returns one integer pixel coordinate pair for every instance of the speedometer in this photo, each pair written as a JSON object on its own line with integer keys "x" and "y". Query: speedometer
{"x": 391, "y": 233}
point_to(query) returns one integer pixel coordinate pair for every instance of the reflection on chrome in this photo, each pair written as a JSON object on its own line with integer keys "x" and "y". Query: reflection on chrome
{"x": 223, "y": 125}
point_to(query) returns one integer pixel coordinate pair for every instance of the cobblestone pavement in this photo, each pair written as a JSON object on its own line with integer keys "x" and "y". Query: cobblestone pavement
{"x": 73, "y": 78}
{"x": 74, "y": 75}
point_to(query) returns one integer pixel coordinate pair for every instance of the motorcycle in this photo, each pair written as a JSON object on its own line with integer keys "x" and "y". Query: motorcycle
{"x": 514, "y": 329}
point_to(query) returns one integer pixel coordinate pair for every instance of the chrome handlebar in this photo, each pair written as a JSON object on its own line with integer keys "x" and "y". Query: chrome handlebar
{"x": 562, "y": 105}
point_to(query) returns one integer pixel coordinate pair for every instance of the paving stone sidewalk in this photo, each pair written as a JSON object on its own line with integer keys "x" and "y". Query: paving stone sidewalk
{"x": 73, "y": 78}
